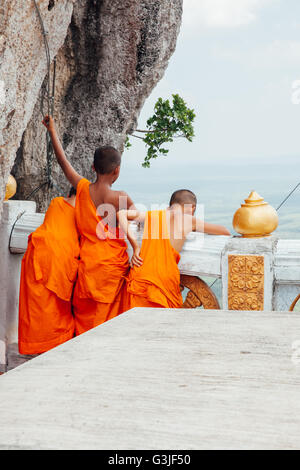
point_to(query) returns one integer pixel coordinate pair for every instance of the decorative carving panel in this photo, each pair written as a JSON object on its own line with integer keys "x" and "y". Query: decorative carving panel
{"x": 245, "y": 282}
{"x": 199, "y": 293}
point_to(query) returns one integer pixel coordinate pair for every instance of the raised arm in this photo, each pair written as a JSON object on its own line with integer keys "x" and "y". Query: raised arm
{"x": 124, "y": 217}
{"x": 211, "y": 229}
{"x": 66, "y": 166}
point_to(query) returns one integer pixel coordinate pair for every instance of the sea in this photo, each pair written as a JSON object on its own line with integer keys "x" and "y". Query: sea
{"x": 220, "y": 188}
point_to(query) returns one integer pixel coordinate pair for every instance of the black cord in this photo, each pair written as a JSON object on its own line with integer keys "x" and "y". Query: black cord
{"x": 214, "y": 282}
{"x": 50, "y": 93}
{"x": 284, "y": 201}
{"x": 11, "y": 232}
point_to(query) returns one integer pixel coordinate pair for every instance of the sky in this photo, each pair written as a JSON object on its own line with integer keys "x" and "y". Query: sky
{"x": 237, "y": 64}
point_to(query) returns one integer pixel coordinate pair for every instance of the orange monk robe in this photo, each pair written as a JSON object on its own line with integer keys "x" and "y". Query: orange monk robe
{"x": 157, "y": 282}
{"x": 49, "y": 269}
{"x": 100, "y": 290}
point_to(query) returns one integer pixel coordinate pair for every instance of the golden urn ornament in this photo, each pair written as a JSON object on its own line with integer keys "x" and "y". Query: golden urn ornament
{"x": 11, "y": 188}
{"x": 256, "y": 218}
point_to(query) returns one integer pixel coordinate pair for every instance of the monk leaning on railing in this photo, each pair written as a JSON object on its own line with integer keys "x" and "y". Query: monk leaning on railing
{"x": 154, "y": 280}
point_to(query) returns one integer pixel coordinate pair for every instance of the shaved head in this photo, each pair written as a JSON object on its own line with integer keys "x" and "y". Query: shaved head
{"x": 106, "y": 160}
{"x": 182, "y": 197}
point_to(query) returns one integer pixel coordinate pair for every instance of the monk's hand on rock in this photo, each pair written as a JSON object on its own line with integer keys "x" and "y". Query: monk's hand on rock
{"x": 48, "y": 122}
{"x": 136, "y": 260}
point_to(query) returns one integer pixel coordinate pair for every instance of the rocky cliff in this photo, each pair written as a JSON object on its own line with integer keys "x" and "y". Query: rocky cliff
{"x": 114, "y": 52}
{"x": 23, "y": 67}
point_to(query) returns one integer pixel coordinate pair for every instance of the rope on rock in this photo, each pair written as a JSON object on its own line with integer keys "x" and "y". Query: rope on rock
{"x": 48, "y": 95}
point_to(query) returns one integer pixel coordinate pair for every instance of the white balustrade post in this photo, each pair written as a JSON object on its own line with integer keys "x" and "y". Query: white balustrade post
{"x": 9, "y": 280}
{"x": 248, "y": 274}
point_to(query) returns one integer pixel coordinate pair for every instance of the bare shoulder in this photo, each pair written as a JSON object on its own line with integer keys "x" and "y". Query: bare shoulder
{"x": 121, "y": 200}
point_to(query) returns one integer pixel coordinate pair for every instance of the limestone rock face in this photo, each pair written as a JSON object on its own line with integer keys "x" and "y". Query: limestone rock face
{"x": 23, "y": 67}
{"x": 114, "y": 54}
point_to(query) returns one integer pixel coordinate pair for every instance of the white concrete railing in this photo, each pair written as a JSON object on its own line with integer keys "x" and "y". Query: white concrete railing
{"x": 202, "y": 256}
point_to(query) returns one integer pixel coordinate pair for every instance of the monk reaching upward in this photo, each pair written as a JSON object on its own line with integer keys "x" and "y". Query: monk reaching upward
{"x": 100, "y": 291}
{"x": 154, "y": 279}
{"x": 49, "y": 269}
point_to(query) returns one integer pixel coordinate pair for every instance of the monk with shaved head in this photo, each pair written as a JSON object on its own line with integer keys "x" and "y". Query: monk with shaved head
{"x": 183, "y": 196}
{"x": 154, "y": 279}
{"x": 99, "y": 293}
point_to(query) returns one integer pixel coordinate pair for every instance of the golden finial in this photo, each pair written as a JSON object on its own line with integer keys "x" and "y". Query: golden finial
{"x": 11, "y": 188}
{"x": 256, "y": 218}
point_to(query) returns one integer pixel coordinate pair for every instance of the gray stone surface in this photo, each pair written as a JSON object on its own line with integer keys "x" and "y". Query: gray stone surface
{"x": 114, "y": 55}
{"x": 161, "y": 379}
{"x": 23, "y": 68}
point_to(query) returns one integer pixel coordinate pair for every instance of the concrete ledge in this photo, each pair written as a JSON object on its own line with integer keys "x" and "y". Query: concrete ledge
{"x": 161, "y": 379}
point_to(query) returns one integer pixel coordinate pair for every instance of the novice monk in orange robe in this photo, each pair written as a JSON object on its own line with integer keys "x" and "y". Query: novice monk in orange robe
{"x": 100, "y": 291}
{"x": 49, "y": 269}
{"x": 154, "y": 280}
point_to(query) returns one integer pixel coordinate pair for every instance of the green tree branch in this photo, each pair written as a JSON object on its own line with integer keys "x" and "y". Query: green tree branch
{"x": 168, "y": 122}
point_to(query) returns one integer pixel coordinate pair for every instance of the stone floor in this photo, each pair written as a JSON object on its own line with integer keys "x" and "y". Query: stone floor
{"x": 161, "y": 379}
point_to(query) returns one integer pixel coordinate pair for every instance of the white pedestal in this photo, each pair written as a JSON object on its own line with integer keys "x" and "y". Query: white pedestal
{"x": 10, "y": 266}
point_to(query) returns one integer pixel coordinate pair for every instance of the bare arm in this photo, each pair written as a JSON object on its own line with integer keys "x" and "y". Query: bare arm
{"x": 211, "y": 229}
{"x": 124, "y": 217}
{"x": 66, "y": 166}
